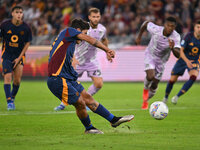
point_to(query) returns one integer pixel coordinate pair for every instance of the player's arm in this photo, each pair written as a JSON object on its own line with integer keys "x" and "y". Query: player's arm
{"x": 187, "y": 61}
{"x": 141, "y": 31}
{"x": 105, "y": 42}
{"x": 96, "y": 43}
{"x": 17, "y": 60}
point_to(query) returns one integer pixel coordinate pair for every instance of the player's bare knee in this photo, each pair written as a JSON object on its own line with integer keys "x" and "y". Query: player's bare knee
{"x": 154, "y": 86}
{"x": 150, "y": 77}
{"x": 16, "y": 81}
{"x": 98, "y": 84}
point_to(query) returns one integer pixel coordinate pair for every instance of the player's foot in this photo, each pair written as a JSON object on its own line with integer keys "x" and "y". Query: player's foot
{"x": 60, "y": 107}
{"x": 121, "y": 120}
{"x": 174, "y": 99}
{"x": 145, "y": 105}
{"x": 93, "y": 130}
{"x": 165, "y": 100}
{"x": 10, "y": 106}
{"x": 145, "y": 94}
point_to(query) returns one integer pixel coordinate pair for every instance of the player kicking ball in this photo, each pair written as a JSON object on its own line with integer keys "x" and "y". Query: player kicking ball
{"x": 189, "y": 59}
{"x": 85, "y": 59}
{"x": 163, "y": 41}
{"x": 62, "y": 78}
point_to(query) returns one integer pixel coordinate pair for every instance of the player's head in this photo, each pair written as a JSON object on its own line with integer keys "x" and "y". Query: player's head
{"x": 17, "y": 13}
{"x": 80, "y": 25}
{"x": 170, "y": 25}
{"x": 94, "y": 16}
{"x": 197, "y": 28}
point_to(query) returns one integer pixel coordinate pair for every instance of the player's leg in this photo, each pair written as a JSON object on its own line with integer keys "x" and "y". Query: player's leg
{"x": 62, "y": 105}
{"x": 102, "y": 111}
{"x": 193, "y": 75}
{"x": 169, "y": 87}
{"x": 69, "y": 95}
{"x": 97, "y": 81}
{"x": 17, "y": 75}
{"x": 7, "y": 73}
{"x": 150, "y": 74}
{"x": 153, "y": 88}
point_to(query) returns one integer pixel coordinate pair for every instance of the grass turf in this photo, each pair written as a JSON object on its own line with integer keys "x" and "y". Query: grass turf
{"x": 34, "y": 124}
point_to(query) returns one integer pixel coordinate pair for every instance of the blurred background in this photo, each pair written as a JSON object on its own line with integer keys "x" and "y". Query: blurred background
{"x": 122, "y": 18}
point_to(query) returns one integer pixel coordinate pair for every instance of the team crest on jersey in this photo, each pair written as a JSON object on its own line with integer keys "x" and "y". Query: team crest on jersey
{"x": 191, "y": 44}
{"x": 22, "y": 32}
{"x": 9, "y": 32}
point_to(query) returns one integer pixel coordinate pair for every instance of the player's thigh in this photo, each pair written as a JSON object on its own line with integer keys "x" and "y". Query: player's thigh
{"x": 17, "y": 73}
{"x": 174, "y": 78}
{"x": 179, "y": 68}
{"x": 63, "y": 89}
{"x": 88, "y": 99}
{"x": 7, "y": 78}
{"x": 193, "y": 72}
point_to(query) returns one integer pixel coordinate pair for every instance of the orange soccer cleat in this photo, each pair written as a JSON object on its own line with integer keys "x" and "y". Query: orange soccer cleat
{"x": 145, "y": 99}
{"x": 145, "y": 105}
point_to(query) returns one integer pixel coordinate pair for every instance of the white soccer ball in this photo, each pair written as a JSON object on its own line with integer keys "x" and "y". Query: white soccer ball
{"x": 158, "y": 110}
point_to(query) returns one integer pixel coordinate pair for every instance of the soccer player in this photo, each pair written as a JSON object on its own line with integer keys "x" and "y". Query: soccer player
{"x": 62, "y": 80}
{"x": 163, "y": 41}
{"x": 86, "y": 54}
{"x": 16, "y": 36}
{"x": 189, "y": 59}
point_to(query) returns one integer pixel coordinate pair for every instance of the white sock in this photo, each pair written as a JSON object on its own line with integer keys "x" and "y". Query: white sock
{"x": 147, "y": 83}
{"x": 92, "y": 89}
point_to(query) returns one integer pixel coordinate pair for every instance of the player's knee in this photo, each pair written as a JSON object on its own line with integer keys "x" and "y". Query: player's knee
{"x": 98, "y": 84}
{"x": 16, "y": 81}
{"x": 154, "y": 86}
{"x": 150, "y": 77}
{"x": 193, "y": 77}
{"x": 80, "y": 104}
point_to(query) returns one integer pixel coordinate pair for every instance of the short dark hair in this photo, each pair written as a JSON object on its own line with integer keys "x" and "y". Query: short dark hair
{"x": 17, "y": 7}
{"x": 93, "y": 10}
{"x": 171, "y": 19}
{"x": 197, "y": 22}
{"x": 80, "y": 23}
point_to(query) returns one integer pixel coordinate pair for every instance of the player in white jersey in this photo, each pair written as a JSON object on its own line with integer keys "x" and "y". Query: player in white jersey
{"x": 85, "y": 54}
{"x": 163, "y": 41}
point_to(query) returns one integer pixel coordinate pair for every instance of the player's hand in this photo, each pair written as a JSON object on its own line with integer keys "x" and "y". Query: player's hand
{"x": 110, "y": 55}
{"x": 138, "y": 40}
{"x": 16, "y": 62}
{"x": 75, "y": 62}
{"x": 171, "y": 43}
{"x": 109, "y": 58}
{"x": 189, "y": 63}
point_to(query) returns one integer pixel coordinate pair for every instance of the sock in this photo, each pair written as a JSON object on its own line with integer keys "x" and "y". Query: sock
{"x": 87, "y": 123}
{"x": 169, "y": 88}
{"x": 93, "y": 90}
{"x": 62, "y": 104}
{"x": 7, "y": 88}
{"x": 147, "y": 83}
{"x": 152, "y": 92}
{"x": 187, "y": 85}
{"x": 14, "y": 90}
{"x": 102, "y": 111}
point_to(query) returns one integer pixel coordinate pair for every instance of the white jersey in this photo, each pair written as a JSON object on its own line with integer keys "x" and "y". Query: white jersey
{"x": 158, "y": 47}
{"x": 86, "y": 53}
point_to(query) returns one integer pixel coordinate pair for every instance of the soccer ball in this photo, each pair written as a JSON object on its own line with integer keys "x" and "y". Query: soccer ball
{"x": 158, "y": 110}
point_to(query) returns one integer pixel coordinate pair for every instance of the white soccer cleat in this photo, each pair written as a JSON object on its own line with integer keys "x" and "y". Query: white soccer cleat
{"x": 93, "y": 131}
{"x": 165, "y": 100}
{"x": 174, "y": 99}
{"x": 122, "y": 120}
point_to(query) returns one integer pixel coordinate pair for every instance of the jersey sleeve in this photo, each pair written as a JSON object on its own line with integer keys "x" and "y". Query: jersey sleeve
{"x": 28, "y": 35}
{"x": 152, "y": 28}
{"x": 184, "y": 42}
{"x": 177, "y": 41}
{"x": 73, "y": 32}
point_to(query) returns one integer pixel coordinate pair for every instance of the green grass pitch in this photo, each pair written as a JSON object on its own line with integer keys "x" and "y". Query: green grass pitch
{"x": 34, "y": 124}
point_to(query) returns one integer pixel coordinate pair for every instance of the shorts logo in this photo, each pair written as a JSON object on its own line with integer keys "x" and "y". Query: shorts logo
{"x": 5, "y": 70}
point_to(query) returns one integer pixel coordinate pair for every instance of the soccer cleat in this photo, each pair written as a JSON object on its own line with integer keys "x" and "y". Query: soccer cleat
{"x": 122, "y": 120}
{"x": 145, "y": 105}
{"x": 60, "y": 107}
{"x": 174, "y": 99}
{"x": 10, "y": 106}
{"x": 165, "y": 100}
{"x": 93, "y": 131}
{"x": 145, "y": 94}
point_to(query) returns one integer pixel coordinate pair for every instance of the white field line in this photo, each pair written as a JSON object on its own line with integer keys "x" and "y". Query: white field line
{"x": 73, "y": 112}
